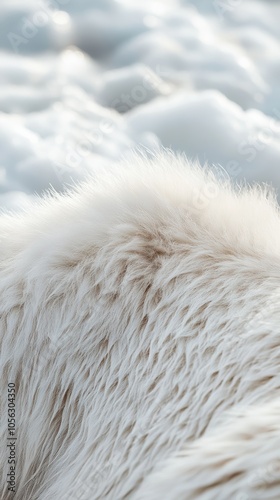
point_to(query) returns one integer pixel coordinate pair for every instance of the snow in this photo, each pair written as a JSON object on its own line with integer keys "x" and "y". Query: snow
{"x": 84, "y": 83}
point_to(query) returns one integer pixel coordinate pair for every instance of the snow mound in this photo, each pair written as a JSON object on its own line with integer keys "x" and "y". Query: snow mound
{"x": 84, "y": 83}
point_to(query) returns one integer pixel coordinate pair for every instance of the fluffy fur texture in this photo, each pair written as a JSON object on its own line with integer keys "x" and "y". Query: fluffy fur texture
{"x": 139, "y": 320}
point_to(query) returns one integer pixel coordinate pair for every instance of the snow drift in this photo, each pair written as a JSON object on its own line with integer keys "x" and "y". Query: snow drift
{"x": 139, "y": 323}
{"x": 84, "y": 82}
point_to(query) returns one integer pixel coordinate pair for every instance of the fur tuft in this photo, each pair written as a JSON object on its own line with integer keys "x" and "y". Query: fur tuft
{"x": 139, "y": 321}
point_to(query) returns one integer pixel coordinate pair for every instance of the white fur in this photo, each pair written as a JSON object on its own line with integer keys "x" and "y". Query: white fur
{"x": 139, "y": 320}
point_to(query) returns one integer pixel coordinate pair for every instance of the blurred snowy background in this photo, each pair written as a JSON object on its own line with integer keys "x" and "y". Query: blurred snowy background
{"x": 85, "y": 81}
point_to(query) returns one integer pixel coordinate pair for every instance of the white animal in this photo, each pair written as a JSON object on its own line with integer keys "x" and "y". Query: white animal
{"x": 140, "y": 326}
